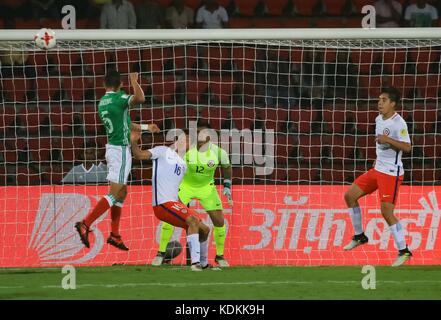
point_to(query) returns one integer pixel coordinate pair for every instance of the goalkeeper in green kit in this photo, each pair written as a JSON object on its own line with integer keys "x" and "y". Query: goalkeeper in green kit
{"x": 198, "y": 183}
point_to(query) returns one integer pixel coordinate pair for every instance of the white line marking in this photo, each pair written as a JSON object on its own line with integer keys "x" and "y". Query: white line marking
{"x": 188, "y": 284}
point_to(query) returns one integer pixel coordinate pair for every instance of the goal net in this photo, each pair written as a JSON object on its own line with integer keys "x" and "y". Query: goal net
{"x": 296, "y": 116}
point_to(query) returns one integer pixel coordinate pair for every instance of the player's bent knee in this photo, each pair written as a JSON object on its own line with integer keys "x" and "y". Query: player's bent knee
{"x": 217, "y": 217}
{"x": 349, "y": 198}
{"x": 192, "y": 221}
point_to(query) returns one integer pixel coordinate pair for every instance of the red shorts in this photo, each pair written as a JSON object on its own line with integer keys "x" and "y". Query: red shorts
{"x": 174, "y": 213}
{"x": 387, "y": 185}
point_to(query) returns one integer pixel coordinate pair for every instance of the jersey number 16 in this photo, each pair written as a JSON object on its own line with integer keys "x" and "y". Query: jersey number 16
{"x": 177, "y": 170}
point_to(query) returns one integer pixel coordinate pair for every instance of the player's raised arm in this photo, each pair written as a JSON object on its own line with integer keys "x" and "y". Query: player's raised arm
{"x": 137, "y": 152}
{"x": 138, "y": 96}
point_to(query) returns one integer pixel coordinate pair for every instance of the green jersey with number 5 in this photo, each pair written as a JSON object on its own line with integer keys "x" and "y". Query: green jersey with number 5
{"x": 113, "y": 110}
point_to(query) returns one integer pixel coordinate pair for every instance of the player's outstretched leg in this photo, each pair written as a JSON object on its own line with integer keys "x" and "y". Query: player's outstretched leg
{"x": 351, "y": 198}
{"x": 83, "y": 227}
{"x": 166, "y": 234}
{"x": 83, "y": 231}
{"x": 117, "y": 242}
{"x": 115, "y": 238}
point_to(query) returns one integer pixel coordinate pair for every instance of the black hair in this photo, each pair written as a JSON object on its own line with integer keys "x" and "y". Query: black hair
{"x": 393, "y": 93}
{"x": 112, "y": 79}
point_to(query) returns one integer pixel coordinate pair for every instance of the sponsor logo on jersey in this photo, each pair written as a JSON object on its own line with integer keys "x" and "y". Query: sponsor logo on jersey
{"x": 386, "y": 131}
{"x": 211, "y": 163}
{"x": 403, "y": 133}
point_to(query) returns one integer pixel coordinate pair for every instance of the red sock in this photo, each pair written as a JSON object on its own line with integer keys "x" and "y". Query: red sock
{"x": 99, "y": 209}
{"x": 116, "y": 215}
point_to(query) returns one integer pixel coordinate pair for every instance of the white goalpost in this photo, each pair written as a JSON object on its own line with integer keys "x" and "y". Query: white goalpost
{"x": 294, "y": 108}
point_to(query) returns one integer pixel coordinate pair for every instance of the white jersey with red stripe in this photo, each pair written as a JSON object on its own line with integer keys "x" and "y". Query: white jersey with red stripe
{"x": 389, "y": 160}
{"x": 168, "y": 170}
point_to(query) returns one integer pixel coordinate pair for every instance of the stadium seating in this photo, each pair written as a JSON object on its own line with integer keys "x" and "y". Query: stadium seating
{"x": 96, "y": 61}
{"x": 268, "y": 23}
{"x": 334, "y": 7}
{"x": 303, "y": 118}
{"x": 127, "y": 60}
{"x": 61, "y": 119}
{"x": 241, "y": 23}
{"x": 66, "y": 61}
{"x": 275, "y": 7}
{"x": 16, "y": 89}
{"x": 184, "y": 58}
{"x": 364, "y": 59}
{"x": 394, "y": 61}
{"x": 215, "y": 115}
{"x": 310, "y": 147}
{"x": 221, "y": 89}
{"x": 194, "y": 4}
{"x": 163, "y": 89}
{"x": 196, "y": 89}
{"x": 215, "y": 58}
{"x": 359, "y": 4}
{"x": 246, "y": 7}
{"x": 296, "y": 23}
{"x": 305, "y": 8}
{"x": 76, "y": 87}
{"x": 47, "y": 88}
{"x": 33, "y": 119}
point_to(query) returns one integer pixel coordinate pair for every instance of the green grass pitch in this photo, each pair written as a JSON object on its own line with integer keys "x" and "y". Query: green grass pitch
{"x": 178, "y": 282}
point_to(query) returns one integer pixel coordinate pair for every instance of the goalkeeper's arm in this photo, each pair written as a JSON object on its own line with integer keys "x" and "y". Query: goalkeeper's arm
{"x": 226, "y": 175}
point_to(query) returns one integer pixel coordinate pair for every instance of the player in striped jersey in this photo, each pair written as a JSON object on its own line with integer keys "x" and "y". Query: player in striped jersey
{"x": 113, "y": 111}
{"x": 392, "y": 139}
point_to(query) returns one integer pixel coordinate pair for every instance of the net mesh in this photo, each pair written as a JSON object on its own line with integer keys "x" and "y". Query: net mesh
{"x": 319, "y": 98}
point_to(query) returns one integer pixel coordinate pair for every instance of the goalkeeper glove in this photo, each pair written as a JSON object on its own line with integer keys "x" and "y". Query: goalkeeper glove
{"x": 227, "y": 191}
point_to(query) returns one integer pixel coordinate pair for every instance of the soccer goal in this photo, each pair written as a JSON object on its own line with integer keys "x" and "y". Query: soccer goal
{"x": 294, "y": 108}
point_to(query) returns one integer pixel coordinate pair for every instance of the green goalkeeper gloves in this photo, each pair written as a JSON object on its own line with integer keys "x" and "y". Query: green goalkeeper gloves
{"x": 227, "y": 191}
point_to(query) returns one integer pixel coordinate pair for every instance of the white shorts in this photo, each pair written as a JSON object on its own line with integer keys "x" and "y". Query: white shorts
{"x": 119, "y": 163}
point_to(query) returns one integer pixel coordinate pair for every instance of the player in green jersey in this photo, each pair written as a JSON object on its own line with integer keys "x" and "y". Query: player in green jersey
{"x": 113, "y": 110}
{"x": 198, "y": 183}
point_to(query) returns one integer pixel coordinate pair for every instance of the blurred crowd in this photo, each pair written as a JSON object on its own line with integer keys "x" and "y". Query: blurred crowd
{"x": 182, "y": 14}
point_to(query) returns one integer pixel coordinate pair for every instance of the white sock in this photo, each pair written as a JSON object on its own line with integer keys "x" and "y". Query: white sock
{"x": 195, "y": 247}
{"x": 355, "y": 214}
{"x": 204, "y": 253}
{"x": 398, "y": 233}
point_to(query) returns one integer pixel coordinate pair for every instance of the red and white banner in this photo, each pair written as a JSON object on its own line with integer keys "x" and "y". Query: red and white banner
{"x": 267, "y": 225}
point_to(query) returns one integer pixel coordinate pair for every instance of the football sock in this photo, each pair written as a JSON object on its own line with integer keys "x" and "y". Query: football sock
{"x": 398, "y": 233}
{"x": 115, "y": 212}
{"x": 195, "y": 247}
{"x": 204, "y": 253}
{"x": 355, "y": 214}
{"x": 219, "y": 239}
{"x": 166, "y": 234}
{"x": 105, "y": 203}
